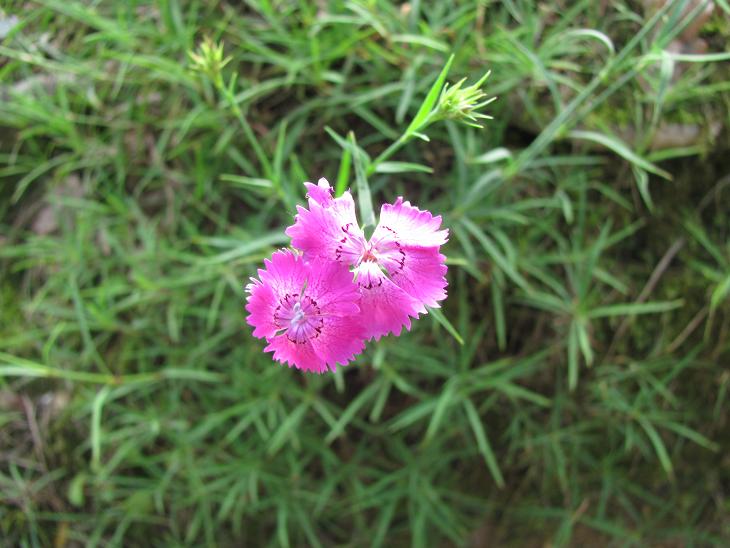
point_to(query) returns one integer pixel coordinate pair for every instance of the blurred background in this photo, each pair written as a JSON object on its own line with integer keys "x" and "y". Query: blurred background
{"x": 575, "y": 389}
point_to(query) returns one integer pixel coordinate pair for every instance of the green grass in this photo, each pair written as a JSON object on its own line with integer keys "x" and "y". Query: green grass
{"x": 589, "y": 275}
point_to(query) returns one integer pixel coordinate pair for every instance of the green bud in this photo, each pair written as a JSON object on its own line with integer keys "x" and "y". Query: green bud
{"x": 209, "y": 60}
{"x": 463, "y": 103}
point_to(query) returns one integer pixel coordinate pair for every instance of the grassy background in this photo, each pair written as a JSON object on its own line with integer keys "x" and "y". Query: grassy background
{"x": 589, "y": 276}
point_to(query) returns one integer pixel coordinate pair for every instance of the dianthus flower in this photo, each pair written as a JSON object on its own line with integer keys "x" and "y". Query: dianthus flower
{"x": 399, "y": 270}
{"x": 306, "y": 311}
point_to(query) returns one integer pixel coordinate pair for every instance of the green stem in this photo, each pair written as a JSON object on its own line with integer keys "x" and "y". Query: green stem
{"x": 388, "y": 152}
{"x": 407, "y": 137}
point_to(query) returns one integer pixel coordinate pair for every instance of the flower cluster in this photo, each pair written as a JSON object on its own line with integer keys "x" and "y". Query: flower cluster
{"x": 317, "y": 308}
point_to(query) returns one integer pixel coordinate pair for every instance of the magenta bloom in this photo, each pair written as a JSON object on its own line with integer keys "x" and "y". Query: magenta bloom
{"x": 399, "y": 271}
{"x": 306, "y": 311}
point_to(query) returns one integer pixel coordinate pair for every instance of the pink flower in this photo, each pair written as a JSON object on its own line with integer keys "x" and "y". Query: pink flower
{"x": 399, "y": 270}
{"x": 306, "y": 311}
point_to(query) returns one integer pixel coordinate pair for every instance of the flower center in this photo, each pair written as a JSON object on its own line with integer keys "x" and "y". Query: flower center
{"x": 369, "y": 255}
{"x": 381, "y": 257}
{"x": 299, "y": 317}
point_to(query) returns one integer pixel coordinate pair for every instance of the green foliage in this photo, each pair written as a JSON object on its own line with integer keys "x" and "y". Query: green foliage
{"x": 571, "y": 390}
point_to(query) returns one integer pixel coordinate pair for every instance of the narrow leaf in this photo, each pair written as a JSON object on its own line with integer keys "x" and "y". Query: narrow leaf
{"x": 495, "y": 254}
{"x": 343, "y": 174}
{"x": 402, "y": 167}
{"x": 620, "y": 148}
{"x": 494, "y": 155}
{"x": 658, "y": 444}
{"x": 96, "y": 427}
{"x": 430, "y": 99}
{"x": 445, "y": 323}
{"x": 241, "y": 181}
{"x": 287, "y": 429}
{"x": 630, "y": 309}
{"x": 447, "y": 399}
{"x": 573, "y": 356}
{"x": 483, "y": 442}
{"x": 364, "y": 197}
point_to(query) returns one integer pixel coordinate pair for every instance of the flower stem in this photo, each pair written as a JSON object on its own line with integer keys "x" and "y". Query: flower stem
{"x": 388, "y": 152}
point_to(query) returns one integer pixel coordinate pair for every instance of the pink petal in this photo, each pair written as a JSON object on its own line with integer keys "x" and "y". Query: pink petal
{"x": 301, "y": 356}
{"x": 284, "y": 272}
{"x": 261, "y": 305}
{"x": 384, "y": 307}
{"x": 419, "y": 271}
{"x": 323, "y": 329}
{"x": 406, "y": 243}
{"x": 331, "y": 284}
{"x": 413, "y": 226}
{"x": 321, "y": 192}
{"x": 328, "y": 229}
{"x": 340, "y": 341}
